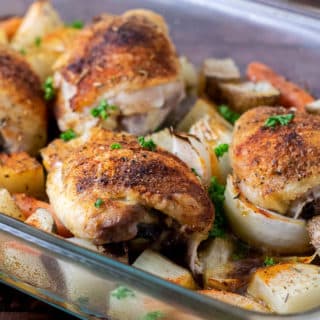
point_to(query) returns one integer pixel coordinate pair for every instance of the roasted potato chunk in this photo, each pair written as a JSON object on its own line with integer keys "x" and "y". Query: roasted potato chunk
{"x": 41, "y": 219}
{"x": 160, "y": 266}
{"x": 287, "y": 288}
{"x": 40, "y": 19}
{"x": 44, "y": 56}
{"x": 20, "y": 173}
{"x": 216, "y": 71}
{"x": 247, "y": 95}
{"x": 8, "y": 206}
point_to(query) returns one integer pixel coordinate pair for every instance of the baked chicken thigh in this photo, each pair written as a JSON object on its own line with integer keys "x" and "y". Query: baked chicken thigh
{"x": 103, "y": 193}
{"x": 23, "y": 122}
{"x": 127, "y": 62}
{"x": 277, "y": 167}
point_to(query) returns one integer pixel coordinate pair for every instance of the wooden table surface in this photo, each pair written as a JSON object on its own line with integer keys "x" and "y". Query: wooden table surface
{"x": 18, "y": 306}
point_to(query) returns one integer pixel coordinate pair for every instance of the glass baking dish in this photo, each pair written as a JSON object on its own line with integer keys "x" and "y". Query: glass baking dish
{"x": 81, "y": 281}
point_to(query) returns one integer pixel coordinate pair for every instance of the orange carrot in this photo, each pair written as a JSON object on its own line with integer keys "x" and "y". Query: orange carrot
{"x": 10, "y": 26}
{"x": 29, "y": 205}
{"x": 291, "y": 94}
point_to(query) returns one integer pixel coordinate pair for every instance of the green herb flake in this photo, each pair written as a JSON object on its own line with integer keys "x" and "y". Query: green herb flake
{"x": 241, "y": 251}
{"x": 23, "y": 51}
{"x": 221, "y": 149}
{"x": 103, "y": 110}
{"x": 154, "y": 315}
{"x": 37, "y": 41}
{"x": 48, "y": 88}
{"x": 228, "y": 114}
{"x": 269, "y": 261}
{"x": 68, "y": 135}
{"x": 122, "y": 293}
{"x": 147, "y": 144}
{"x": 99, "y": 202}
{"x": 195, "y": 172}
{"x": 216, "y": 194}
{"x": 115, "y": 146}
{"x": 77, "y": 24}
{"x": 281, "y": 119}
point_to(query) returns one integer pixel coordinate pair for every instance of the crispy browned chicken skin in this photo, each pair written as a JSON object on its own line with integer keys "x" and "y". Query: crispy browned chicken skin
{"x": 277, "y": 168}
{"x": 23, "y": 123}
{"x": 129, "y": 181}
{"x": 129, "y": 61}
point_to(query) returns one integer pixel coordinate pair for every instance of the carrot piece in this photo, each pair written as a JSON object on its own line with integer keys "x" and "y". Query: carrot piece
{"x": 29, "y": 205}
{"x": 10, "y": 26}
{"x": 291, "y": 94}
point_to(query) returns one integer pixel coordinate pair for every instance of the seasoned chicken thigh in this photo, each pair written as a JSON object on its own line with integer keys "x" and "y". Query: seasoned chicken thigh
{"x": 102, "y": 193}
{"x": 277, "y": 168}
{"x": 127, "y": 62}
{"x": 23, "y": 123}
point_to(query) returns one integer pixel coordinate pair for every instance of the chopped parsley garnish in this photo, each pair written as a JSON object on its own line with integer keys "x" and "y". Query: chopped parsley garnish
{"x": 269, "y": 261}
{"x": 195, "y": 172}
{"x": 103, "y": 110}
{"x": 216, "y": 194}
{"x": 23, "y": 51}
{"x": 228, "y": 114}
{"x": 241, "y": 251}
{"x": 99, "y": 202}
{"x": 154, "y": 315}
{"x": 122, "y": 293}
{"x": 115, "y": 146}
{"x": 281, "y": 119}
{"x": 147, "y": 144}
{"x": 77, "y": 24}
{"x": 48, "y": 88}
{"x": 221, "y": 149}
{"x": 68, "y": 135}
{"x": 37, "y": 41}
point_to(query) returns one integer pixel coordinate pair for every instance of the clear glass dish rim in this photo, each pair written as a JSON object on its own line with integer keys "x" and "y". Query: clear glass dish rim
{"x": 198, "y": 304}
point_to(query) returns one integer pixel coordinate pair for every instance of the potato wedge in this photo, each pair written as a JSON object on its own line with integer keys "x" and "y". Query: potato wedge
{"x": 287, "y": 288}
{"x": 40, "y": 19}
{"x": 84, "y": 287}
{"x": 43, "y": 57}
{"x": 215, "y": 71}
{"x": 162, "y": 267}
{"x": 236, "y": 300}
{"x": 262, "y": 228}
{"x": 8, "y": 206}
{"x": 221, "y": 270}
{"x": 41, "y": 219}
{"x": 247, "y": 95}
{"x": 20, "y": 173}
